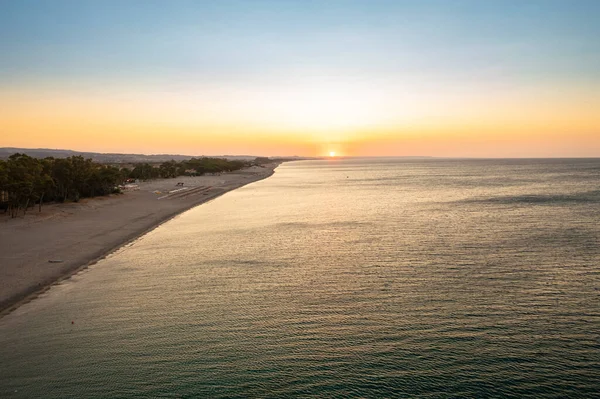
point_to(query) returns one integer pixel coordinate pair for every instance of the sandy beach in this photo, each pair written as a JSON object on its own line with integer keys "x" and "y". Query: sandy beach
{"x": 41, "y": 249}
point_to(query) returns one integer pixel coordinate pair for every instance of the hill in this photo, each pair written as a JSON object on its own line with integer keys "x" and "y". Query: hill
{"x": 112, "y": 158}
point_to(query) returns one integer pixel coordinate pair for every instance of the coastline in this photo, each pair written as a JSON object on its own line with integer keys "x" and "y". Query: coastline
{"x": 29, "y": 274}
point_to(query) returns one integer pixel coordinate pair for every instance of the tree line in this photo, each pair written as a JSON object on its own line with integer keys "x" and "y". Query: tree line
{"x": 26, "y": 181}
{"x": 194, "y": 166}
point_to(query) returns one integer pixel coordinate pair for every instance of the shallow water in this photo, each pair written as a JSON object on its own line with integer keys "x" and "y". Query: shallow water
{"x": 356, "y": 278}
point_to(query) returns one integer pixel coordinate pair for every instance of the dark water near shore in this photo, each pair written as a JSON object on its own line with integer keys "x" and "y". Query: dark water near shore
{"x": 361, "y": 278}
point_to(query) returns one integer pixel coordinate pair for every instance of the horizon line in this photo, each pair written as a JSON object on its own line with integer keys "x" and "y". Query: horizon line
{"x": 322, "y": 157}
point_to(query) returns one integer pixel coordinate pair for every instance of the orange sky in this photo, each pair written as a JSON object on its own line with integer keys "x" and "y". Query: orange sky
{"x": 309, "y": 121}
{"x": 372, "y": 78}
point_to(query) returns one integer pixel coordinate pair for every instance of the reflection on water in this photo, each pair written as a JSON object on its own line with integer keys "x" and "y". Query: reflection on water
{"x": 362, "y": 278}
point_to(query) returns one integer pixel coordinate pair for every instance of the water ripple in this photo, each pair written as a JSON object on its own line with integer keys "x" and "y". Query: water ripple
{"x": 429, "y": 279}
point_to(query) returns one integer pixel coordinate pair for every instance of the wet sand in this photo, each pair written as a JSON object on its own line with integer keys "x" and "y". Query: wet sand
{"x": 41, "y": 249}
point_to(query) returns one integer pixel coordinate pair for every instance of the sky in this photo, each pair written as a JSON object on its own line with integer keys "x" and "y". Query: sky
{"x": 359, "y": 78}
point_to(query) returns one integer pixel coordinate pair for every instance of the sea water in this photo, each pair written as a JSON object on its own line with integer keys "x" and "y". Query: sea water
{"x": 366, "y": 278}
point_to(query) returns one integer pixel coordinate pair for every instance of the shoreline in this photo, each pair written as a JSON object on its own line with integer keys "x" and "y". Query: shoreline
{"x": 37, "y": 286}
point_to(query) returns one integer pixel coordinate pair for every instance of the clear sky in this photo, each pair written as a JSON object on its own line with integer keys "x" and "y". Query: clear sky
{"x": 445, "y": 78}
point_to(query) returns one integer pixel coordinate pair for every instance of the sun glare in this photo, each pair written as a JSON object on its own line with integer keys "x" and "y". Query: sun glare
{"x": 332, "y": 153}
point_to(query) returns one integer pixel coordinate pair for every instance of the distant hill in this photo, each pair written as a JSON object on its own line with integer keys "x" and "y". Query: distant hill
{"x": 5, "y": 152}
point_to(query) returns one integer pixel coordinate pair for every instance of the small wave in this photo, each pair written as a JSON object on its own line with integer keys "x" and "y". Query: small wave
{"x": 575, "y": 198}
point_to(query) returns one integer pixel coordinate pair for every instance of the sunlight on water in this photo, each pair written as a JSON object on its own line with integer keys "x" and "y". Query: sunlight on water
{"x": 338, "y": 278}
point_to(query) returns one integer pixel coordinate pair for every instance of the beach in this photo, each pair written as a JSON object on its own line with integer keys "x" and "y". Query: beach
{"x": 42, "y": 248}
{"x": 375, "y": 278}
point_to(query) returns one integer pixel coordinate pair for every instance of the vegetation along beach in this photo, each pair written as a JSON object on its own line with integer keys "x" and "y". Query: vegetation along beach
{"x": 96, "y": 212}
{"x": 273, "y": 199}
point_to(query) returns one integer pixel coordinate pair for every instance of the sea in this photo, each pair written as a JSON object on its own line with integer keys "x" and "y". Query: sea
{"x": 341, "y": 278}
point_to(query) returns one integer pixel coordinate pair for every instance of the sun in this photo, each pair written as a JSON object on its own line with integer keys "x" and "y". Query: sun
{"x": 332, "y": 153}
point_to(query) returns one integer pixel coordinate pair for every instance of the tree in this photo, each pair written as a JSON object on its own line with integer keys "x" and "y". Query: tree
{"x": 25, "y": 180}
{"x": 168, "y": 169}
{"x": 144, "y": 171}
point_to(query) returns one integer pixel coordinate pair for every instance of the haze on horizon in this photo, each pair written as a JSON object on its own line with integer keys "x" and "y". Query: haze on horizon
{"x": 358, "y": 78}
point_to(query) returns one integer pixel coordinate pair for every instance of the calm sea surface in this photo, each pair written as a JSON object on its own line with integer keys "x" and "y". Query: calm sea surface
{"x": 337, "y": 279}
